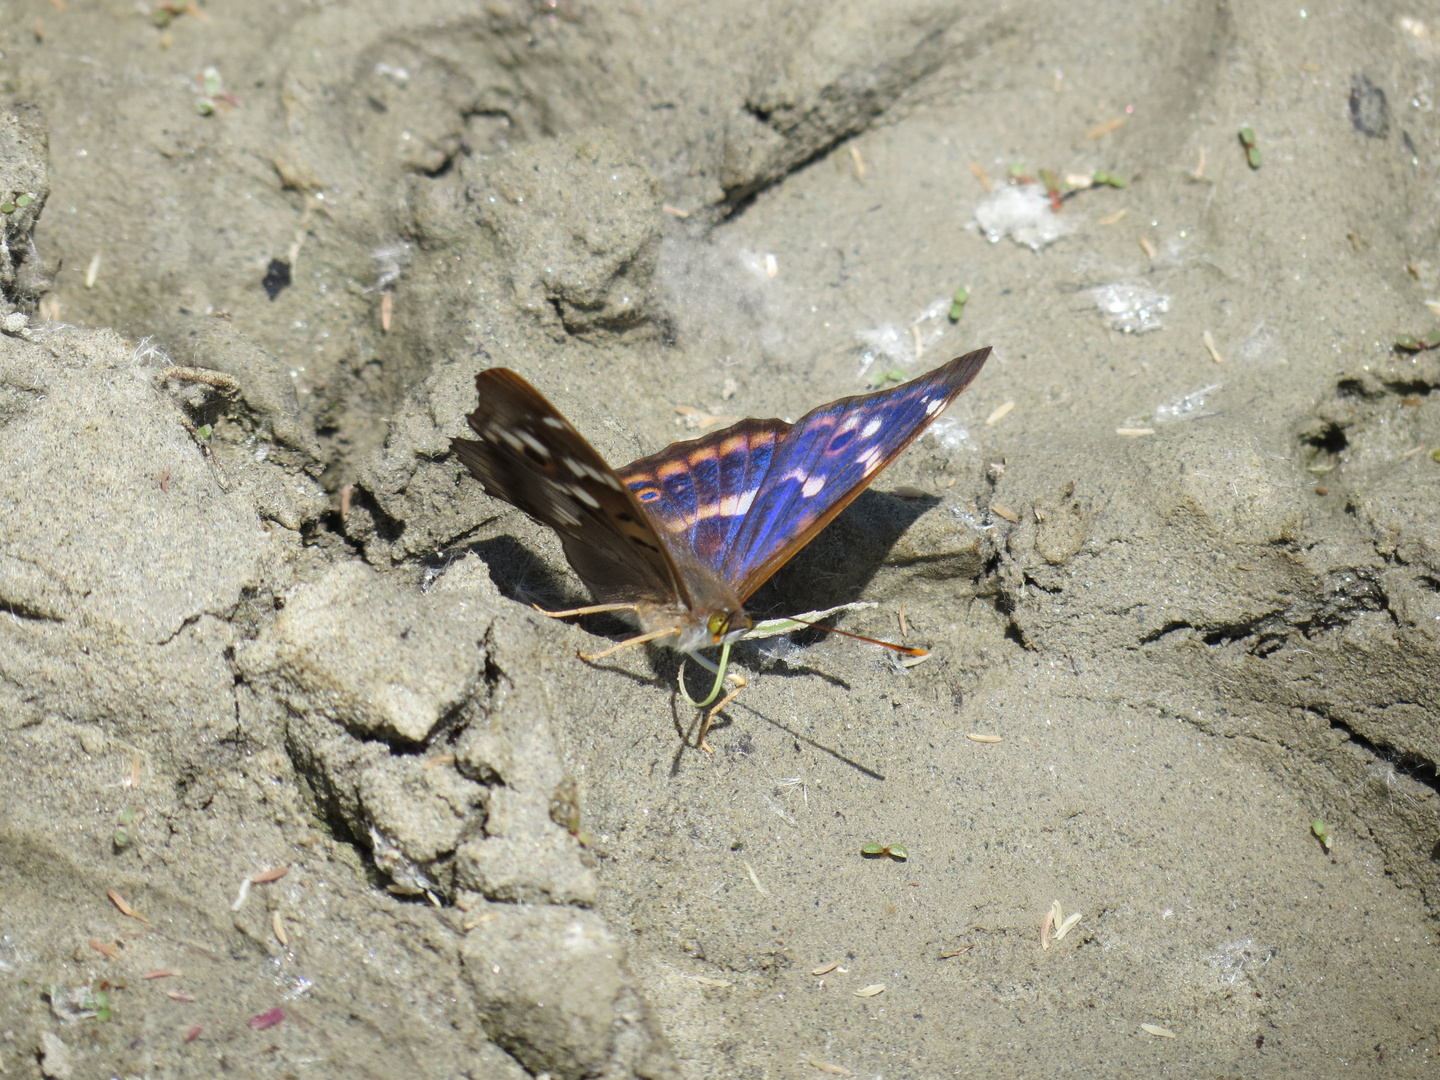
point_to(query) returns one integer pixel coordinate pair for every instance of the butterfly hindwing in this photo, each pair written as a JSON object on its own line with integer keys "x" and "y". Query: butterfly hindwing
{"x": 825, "y": 460}
{"x": 530, "y": 456}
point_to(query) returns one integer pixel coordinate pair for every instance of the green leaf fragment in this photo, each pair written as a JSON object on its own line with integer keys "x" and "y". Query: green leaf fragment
{"x": 1252, "y": 156}
{"x": 25, "y": 200}
{"x": 7, "y": 208}
{"x": 956, "y": 310}
{"x": 204, "y": 431}
{"x": 899, "y": 851}
{"x": 1110, "y": 179}
{"x": 1407, "y": 342}
{"x": 880, "y": 378}
{"x": 1321, "y": 832}
{"x": 204, "y": 106}
{"x": 1247, "y": 136}
{"x": 1017, "y": 170}
{"x": 120, "y": 838}
{"x": 872, "y": 851}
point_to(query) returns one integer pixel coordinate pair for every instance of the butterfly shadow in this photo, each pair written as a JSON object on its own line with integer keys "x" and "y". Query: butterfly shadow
{"x": 522, "y": 575}
{"x": 721, "y": 722}
{"x": 839, "y": 564}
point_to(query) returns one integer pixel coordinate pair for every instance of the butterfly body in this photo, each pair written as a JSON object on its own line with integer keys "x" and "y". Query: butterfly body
{"x": 682, "y": 538}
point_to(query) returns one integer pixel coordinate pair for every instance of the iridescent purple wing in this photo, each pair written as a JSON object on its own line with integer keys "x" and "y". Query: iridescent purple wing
{"x": 823, "y": 462}
{"x": 738, "y": 503}
{"x": 696, "y": 493}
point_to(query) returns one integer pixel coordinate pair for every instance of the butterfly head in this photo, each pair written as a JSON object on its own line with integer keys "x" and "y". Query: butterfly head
{"x": 724, "y": 626}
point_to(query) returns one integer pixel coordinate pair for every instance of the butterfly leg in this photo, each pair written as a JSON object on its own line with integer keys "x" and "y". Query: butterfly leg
{"x": 639, "y": 639}
{"x": 593, "y": 609}
{"x": 710, "y": 714}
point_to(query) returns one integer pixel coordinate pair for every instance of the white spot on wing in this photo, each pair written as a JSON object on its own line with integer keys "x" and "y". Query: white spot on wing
{"x": 564, "y": 511}
{"x": 870, "y": 429}
{"x": 934, "y": 406}
{"x": 556, "y": 422}
{"x": 584, "y": 496}
{"x": 596, "y": 474}
{"x": 813, "y": 486}
{"x": 575, "y": 466}
{"x": 534, "y": 444}
{"x": 743, "y": 506}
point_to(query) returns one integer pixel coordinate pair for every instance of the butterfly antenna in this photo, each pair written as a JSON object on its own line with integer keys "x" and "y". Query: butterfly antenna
{"x": 907, "y": 650}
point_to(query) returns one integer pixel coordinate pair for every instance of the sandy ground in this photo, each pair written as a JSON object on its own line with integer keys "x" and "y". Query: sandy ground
{"x": 1175, "y": 553}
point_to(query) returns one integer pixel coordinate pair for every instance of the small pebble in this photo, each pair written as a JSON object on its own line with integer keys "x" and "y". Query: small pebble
{"x": 1321, "y": 489}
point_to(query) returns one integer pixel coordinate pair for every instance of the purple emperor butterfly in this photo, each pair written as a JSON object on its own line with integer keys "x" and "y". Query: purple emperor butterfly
{"x": 680, "y": 539}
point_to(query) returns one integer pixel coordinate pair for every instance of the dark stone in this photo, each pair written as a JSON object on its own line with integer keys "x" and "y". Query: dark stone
{"x": 277, "y": 277}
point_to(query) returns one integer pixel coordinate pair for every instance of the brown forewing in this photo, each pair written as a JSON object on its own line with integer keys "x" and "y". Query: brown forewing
{"x": 530, "y": 456}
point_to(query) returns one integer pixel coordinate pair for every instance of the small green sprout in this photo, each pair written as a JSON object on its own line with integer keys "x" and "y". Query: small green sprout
{"x": 1017, "y": 170}
{"x": 164, "y": 14}
{"x": 1110, "y": 179}
{"x": 25, "y": 200}
{"x": 1410, "y": 343}
{"x": 897, "y": 852}
{"x": 1252, "y": 150}
{"x": 880, "y": 378}
{"x": 1435, "y": 454}
{"x": 99, "y": 1001}
{"x": 7, "y": 207}
{"x": 1321, "y": 833}
{"x": 958, "y": 302}
{"x": 214, "y": 86}
{"x": 204, "y": 431}
{"x": 122, "y": 835}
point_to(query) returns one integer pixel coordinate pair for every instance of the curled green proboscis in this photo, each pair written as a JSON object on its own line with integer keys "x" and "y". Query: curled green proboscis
{"x": 718, "y": 669}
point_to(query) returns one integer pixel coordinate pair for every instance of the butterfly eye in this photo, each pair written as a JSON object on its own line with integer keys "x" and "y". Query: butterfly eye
{"x": 718, "y": 625}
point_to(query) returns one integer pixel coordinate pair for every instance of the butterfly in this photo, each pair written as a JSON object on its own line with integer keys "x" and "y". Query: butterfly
{"x": 682, "y": 538}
